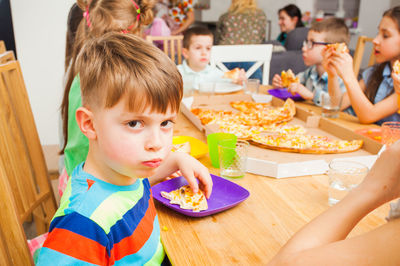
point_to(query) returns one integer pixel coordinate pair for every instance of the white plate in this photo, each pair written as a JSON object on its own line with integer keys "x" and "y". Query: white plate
{"x": 226, "y": 87}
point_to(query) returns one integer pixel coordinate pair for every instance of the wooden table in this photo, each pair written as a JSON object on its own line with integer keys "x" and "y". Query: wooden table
{"x": 252, "y": 232}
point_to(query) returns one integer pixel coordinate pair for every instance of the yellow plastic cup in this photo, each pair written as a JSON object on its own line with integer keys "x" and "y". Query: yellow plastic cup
{"x": 213, "y": 141}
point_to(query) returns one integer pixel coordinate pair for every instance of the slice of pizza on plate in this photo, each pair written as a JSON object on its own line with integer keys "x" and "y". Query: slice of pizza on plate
{"x": 186, "y": 199}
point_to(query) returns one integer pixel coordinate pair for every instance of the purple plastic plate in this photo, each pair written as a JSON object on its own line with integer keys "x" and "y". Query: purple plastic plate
{"x": 283, "y": 93}
{"x": 225, "y": 195}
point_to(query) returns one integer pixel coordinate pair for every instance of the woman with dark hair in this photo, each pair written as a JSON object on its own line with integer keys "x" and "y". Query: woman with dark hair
{"x": 289, "y": 19}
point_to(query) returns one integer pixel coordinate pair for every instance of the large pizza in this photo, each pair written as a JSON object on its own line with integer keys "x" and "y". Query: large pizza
{"x": 266, "y": 126}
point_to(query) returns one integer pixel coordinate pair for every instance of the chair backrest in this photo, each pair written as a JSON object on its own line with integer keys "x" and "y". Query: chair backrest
{"x": 258, "y": 53}
{"x": 295, "y": 38}
{"x": 22, "y": 165}
{"x": 7, "y": 56}
{"x": 359, "y": 53}
{"x": 171, "y": 45}
{"x": 2, "y": 47}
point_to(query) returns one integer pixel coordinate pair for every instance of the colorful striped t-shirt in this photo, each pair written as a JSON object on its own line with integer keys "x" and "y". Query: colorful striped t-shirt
{"x": 99, "y": 223}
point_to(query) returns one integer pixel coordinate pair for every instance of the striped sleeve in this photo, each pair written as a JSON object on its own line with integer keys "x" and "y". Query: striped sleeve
{"x": 75, "y": 239}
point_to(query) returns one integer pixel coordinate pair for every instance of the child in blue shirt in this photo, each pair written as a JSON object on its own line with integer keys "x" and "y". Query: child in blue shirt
{"x": 313, "y": 82}
{"x": 372, "y": 98}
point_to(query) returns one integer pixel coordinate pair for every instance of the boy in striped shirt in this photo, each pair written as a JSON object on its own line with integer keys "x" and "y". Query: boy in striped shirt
{"x": 131, "y": 93}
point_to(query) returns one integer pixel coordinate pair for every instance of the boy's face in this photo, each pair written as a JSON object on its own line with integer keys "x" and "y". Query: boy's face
{"x": 313, "y": 56}
{"x": 199, "y": 51}
{"x": 131, "y": 144}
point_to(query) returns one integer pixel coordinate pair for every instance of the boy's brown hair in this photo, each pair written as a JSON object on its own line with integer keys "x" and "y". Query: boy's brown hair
{"x": 335, "y": 27}
{"x": 195, "y": 31}
{"x": 104, "y": 16}
{"x": 118, "y": 65}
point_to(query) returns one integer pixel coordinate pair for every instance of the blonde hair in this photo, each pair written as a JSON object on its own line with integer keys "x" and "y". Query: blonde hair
{"x": 116, "y": 66}
{"x": 104, "y": 16}
{"x": 239, "y": 6}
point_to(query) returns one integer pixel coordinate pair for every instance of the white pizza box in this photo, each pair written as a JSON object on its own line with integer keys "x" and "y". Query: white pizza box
{"x": 279, "y": 164}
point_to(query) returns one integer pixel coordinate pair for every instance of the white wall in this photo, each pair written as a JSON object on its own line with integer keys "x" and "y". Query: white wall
{"x": 40, "y": 28}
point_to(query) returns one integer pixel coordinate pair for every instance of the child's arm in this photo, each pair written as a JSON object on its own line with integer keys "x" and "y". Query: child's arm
{"x": 190, "y": 168}
{"x": 323, "y": 240}
{"x": 396, "y": 82}
{"x": 366, "y": 111}
{"x": 302, "y": 90}
{"x": 333, "y": 79}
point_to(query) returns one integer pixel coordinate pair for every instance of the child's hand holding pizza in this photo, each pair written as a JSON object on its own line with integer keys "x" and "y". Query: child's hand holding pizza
{"x": 341, "y": 60}
{"x": 237, "y": 75}
{"x": 277, "y": 81}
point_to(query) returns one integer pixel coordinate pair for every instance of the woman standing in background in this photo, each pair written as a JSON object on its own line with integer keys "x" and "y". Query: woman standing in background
{"x": 289, "y": 19}
{"x": 181, "y": 11}
{"x": 244, "y": 23}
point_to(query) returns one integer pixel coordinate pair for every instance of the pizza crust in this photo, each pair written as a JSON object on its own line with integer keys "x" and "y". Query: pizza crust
{"x": 232, "y": 74}
{"x": 338, "y": 47}
{"x": 336, "y": 146}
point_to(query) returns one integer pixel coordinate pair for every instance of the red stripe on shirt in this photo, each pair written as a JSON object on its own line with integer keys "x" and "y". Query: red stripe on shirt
{"x": 77, "y": 246}
{"x": 133, "y": 243}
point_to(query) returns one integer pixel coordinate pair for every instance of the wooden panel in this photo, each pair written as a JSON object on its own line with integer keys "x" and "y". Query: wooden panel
{"x": 172, "y": 46}
{"x": 2, "y": 47}
{"x": 21, "y": 151}
{"x": 14, "y": 248}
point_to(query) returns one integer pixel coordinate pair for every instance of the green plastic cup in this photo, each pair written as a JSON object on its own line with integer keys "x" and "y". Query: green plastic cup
{"x": 213, "y": 141}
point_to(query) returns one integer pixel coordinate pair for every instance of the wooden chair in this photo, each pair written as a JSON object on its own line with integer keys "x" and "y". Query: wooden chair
{"x": 7, "y": 56}
{"x": 172, "y": 45}
{"x": 25, "y": 190}
{"x": 2, "y": 47}
{"x": 359, "y": 54}
{"x": 258, "y": 53}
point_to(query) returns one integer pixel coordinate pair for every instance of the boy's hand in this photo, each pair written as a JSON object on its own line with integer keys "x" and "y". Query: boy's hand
{"x": 396, "y": 82}
{"x": 300, "y": 89}
{"x": 277, "y": 81}
{"x": 241, "y": 78}
{"x": 191, "y": 170}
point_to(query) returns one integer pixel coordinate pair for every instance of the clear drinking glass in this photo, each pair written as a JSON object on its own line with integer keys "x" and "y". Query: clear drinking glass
{"x": 331, "y": 105}
{"x": 252, "y": 86}
{"x": 343, "y": 176}
{"x": 207, "y": 88}
{"x": 233, "y": 158}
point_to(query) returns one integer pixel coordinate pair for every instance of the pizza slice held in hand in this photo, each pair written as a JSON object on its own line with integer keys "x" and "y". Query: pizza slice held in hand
{"x": 288, "y": 77}
{"x": 338, "y": 47}
{"x": 232, "y": 74}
